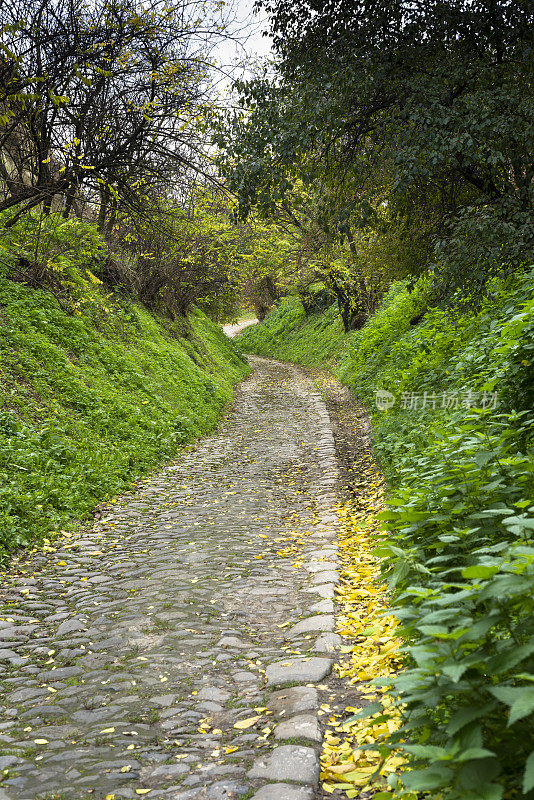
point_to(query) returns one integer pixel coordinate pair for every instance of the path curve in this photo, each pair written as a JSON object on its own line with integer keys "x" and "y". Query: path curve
{"x": 233, "y": 330}
{"x": 135, "y": 656}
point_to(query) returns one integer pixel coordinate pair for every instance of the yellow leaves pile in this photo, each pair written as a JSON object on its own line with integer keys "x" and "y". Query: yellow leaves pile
{"x": 371, "y": 650}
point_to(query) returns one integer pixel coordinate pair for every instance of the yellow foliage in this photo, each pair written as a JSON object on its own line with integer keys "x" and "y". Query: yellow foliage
{"x": 370, "y": 649}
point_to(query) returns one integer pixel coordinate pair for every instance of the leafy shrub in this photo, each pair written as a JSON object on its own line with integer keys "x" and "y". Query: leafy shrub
{"x": 61, "y": 255}
{"x": 460, "y": 555}
{"x": 461, "y": 562}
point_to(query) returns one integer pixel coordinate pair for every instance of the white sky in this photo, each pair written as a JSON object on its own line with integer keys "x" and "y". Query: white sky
{"x": 251, "y": 46}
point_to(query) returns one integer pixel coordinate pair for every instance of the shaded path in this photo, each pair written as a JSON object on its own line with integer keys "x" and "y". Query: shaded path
{"x": 130, "y": 653}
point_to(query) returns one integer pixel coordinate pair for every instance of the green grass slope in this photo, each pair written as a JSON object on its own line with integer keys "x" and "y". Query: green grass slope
{"x": 289, "y": 335}
{"x": 91, "y": 401}
{"x": 480, "y": 351}
{"x": 457, "y": 450}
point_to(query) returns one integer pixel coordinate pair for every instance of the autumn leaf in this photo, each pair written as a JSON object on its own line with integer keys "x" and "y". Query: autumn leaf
{"x": 242, "y": 724}
{"x": 370, "y": 650}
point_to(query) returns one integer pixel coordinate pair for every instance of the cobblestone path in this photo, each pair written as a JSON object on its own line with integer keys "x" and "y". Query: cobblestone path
{"x": 145, "y": 656}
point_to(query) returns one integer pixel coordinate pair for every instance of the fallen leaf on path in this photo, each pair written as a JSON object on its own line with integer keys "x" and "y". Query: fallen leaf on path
{"x": 246, "y": 723}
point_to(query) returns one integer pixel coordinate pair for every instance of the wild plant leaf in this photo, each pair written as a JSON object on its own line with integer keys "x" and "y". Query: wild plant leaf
{"x": 528, "y": 775}
{"x": 520, "y": 699}
{"x": 467, "y": 715}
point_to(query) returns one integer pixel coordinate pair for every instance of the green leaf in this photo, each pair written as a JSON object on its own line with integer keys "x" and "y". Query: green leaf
{"x": 510, "y": 656}
{"x": 479, "y": 571}
{"x": 483, "y": 456}
{"x": 467, "y": 715}
{"x": 427, "y": 751}
{"x": 475, "y": 753}
{"x": 528, "y": 776}
{"x": 426, "y": 779}
{"x": 520, "y": 699}
{"x": 486, "y": 791}
{"x": 455, "y": 671}
{"x": 368, "y": 711}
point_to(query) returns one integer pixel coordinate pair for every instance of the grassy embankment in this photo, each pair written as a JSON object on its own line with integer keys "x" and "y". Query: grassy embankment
{"x": 90, "y": 401}
{"x": 459, "y": 554}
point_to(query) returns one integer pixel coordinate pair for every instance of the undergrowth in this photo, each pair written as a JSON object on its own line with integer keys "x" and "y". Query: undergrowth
{"x": 93, "y": 397}
{"x": 456, "y": 449}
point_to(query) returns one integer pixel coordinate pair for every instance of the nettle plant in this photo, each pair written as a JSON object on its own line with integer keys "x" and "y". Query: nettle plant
{"x": 461, "y": 565}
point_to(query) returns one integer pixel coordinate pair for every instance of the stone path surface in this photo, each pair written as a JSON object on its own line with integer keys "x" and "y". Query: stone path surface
{"x": 234, "y": 330}
{"x": 180, "y": 647}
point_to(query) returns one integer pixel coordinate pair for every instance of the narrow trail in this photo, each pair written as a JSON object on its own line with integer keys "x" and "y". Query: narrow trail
{"x": 234, "y": 330}
{"x": 145, "y": 657}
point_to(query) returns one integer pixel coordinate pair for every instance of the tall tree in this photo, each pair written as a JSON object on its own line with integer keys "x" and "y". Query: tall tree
{"x": 439, "y": 91}
{"x": 100, "y": 97}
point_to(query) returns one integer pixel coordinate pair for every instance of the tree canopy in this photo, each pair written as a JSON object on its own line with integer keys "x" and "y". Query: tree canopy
{"x": 423, "y": 108}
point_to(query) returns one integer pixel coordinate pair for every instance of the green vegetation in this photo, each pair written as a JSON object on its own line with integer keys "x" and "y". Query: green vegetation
{"x": 382, "y": 172}
{"x": 459, "y": 558}
{"x": 90, "y": 401}
{"x": 394, "y": 139}
{"x": 289, "y": 335}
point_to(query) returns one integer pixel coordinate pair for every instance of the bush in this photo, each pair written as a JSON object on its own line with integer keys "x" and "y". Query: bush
{"x": 61, "y": 255}
{"x": 460, "y": 555}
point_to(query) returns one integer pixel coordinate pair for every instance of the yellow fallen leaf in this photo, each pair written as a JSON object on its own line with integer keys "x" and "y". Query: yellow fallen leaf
{"x": 142, "y": 791}
{"x": 246, "y": 723}
{"x": 230, "y": 749}
{"x": 108, "y": 730}
{"x": 342, "y": 768}
{"x": 126, "y": 768}
{"x": 131, "y": 747}
{"x": 41, "y": 741}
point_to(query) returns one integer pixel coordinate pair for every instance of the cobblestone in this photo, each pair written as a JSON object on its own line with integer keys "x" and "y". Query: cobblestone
{"x": 131, "y": 652}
